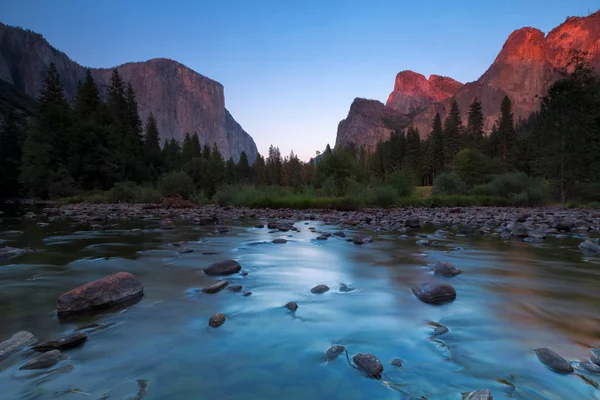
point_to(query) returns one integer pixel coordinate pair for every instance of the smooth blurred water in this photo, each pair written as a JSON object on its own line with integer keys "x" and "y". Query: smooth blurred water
{"x": 512, "y": 297}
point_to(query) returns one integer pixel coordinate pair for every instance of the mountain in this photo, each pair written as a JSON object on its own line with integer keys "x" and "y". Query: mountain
{"x": 527, "y": 65}
{"x": 181, "y": 99}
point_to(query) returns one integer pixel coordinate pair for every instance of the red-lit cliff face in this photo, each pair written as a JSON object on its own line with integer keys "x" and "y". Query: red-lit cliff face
{"x": 413, "y": 92}
{"x": 528, "y": 64}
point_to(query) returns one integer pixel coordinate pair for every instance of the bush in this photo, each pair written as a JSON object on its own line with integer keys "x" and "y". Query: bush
{"x": 449, "y": 183}
{"x": 403, "y": 182}
{"x": 516, "y": 187}
{"x": 176, "y": 183}
{"x": 129, "y": 192}
{"x": 383, "y": 196}
{"x": 472, "y": 166}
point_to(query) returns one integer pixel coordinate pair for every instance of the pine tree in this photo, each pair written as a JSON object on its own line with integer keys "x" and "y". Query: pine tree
{"x": 397, "y": 149}
{"x": 452, "y": 135}
{"x": 187, "y": 151}
{"x": 215, "y": 171}
{"x": 413, "y": 151}
{"x": 273, "y": 166}
{"x": 475, "y": 126}
{"x": 436, "y": 149}
{"x": 230, "y": 172}
{"x": 195, "y": 145}
{"x": 87, "y": 101}
{"x": 132, "y": 150}
{"x": 152, "y": 153}
{"x": 172, "y": 155}
{"x": 506, "y": 132}
{"x": 243, "y": 169}
{"x": 259, "y": 171}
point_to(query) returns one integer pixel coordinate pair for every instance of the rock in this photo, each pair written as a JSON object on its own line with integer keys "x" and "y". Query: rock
{"x": 246, "y": 294}
{"x": 222, "y": 229}
{"x": 368, "y": 364}
{"x": 590, "y": 367}
{"x": 423, "y": 242}
{"x": 167, "y": 224}
{"x": 226, "y": 267}
{"x": 563, "y": 225}
{"x": 10, "y": 252}
{"x": 292, "y": 306}
{"x": 319, "y": 289}
{"x": 209, "y": 253}
{"x": 413, "y": 222}
{"x": 361, "y": 239}
{"x": 15, "y": 343}
{"x": 235, "y": 288}
{"x": 11, "y": 233}
{"x": 136, "y": 230}
{"x": 595, "y": 360}
{"x": 216, "y": 320}
{"x": 482, "y": 394}
{"x": 396, "y": 362}
{"x": 279, "y": 241}
{"x": 553, "y": 361}
{"x": 403, "y": 237}
{"x": 595, "y": 352}
{"x": 244, "y": 273}
{"x": 186, "y": 250}
{"x": 42, "y": 224}
{"x": 65, "y": 342}
{"x": 44, "y": 360}
{"x": 104, "y": 292}
{"x": 217, "y": 287}
{"x": 434, "y": 293}
{"x": 321, "y": 237}
{"x": 589, "y": 245}
{"x": 334, "y": 352}
{"x": 345, "y": 288}
{"x": 339, "y": 234}
{"x": 259, "y": 226}
{"x": 446, "y": 269}
{"x": 537, "y": 235}
{"x": 438, "y": 329}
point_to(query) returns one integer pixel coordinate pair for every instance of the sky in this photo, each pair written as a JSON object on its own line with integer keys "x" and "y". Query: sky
{"x": 291, "y": 69}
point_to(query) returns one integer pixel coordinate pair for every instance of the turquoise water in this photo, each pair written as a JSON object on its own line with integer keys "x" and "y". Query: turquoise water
{"x": 512, "y": 297}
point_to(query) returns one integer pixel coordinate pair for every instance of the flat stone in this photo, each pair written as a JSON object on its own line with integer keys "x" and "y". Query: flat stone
{"x": 319, "y": 289}
{"x": 216, "y": 320}
{"x": 446, "y": 269}
{"x": 65, "y": 342}
{"x": 15, "y": 343}
{"x": 361, "y": 239}
{"x": 226, "y": 267}
{"x": 434, "y": 293}
{"x": 438, "y": 329}
{"x": 334, "y": 352}
{"x": 45, "y": 360}
{"x": 10, "y": 252}
{"x": 322, "y": 237}
{"x": 104, "y": 292}
{"x": 482, "y": 394}
{"x": 222, "y": 229}
{"x": 259, "y": 226}
{"x": 292, "y": 306}
{"x": 590, "y": 367}
{"x": 396, "y": 362}
{"x": 553, "y": 361}
{"x": 246, "y": 294}
{"x": 216, "y": 287}
{"x": 279, "y": 241}
{"x": 369, "y": 364}
{"x": 235, "y": 288}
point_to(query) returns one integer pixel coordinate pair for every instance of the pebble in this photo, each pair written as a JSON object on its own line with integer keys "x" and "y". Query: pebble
{"x": 589, "y": 245}
{"x": 423, "y": 242}
{"x": 10, "y": 252}
{"x": 434, "y": 293}
{"x": 345, "y": 288}
{"x": 186, "y": 250}
{"x": 334, "y": 352}
{"x": 319, "y": 289}
{"x": 65, "y": 342}
{"x": 45, "y": 360}
{"x": 339, "y": 234}
{"x": 216, "y": 320}
{"x": 369, "y": 364}
{"x": 217, "y": 287}
{"x": 553, "y": 361}
{"x": 292, "y": 306}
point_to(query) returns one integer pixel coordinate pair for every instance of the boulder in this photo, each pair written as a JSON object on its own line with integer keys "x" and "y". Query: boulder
{"x": 319, "y": 289}
{"x": 434, "y": 293}
{"x": 279, "y": 241}
{"x": 563, "y": 225}
{"x": 226, "y": 267}
{"x": 396, "y": 362}
{"x": 423, "y": 242}
{"x": 334, "y": 352}
{"x": 65, "y": 342}
{"x": 482, "y": 394}
{"x": 369, "y": 364}
{"x": 102, "y": 293}
{"x": 45, "y": 360}
{"x": 553, "y": 361}
{"x": 216, "y": 320}
{"x": 15, "y": 343}
{"x": 446, "y": 269}
{"x": 590, "y": 245}
{"x": 345, "y": 288}
{"x": 216, "y": 287}
{"x": 292, "y": 306}
{"x": 413, "y": 222}
{"x": 361, "y": 239}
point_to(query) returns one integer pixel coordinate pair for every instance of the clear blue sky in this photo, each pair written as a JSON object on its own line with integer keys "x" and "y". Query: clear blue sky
{"x": 292, "y": 68}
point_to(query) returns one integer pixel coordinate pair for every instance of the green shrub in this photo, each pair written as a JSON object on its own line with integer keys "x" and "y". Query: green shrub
{"x": 382, "y": 196}
{"x": 403, "y": 182}
{"x": 517, "y": 188}
{"x": 449, "y": 184}
{"x": 472, "y": 166}
{"x": 176, "y": 183}
{"x": 128, "y": 192}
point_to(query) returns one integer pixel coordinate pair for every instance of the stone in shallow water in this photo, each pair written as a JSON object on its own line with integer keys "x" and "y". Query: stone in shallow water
{"x": 319, "y": 289}
{"x": 413, "y": 222}
{"x": 216, "y": 320}
{"x": 11, "y": 233}
{"x": 345, "y": 288}
{"x": 434, "y": 293}
{"x": 246, "y": 294}
{"x": 322, "y": 237}
{"x": 438, "y": 329}
{"x": 279, "y": 241}
{"x": 226, "y": 267}
{"x": 553, "y": 361}
{"x": 10, "y": 252}
{"x": 235, "y": 288}
{"x": 396, "y": 362}
{"x": 590, "y": 367}
{"x": 259, "y": 226}
{"x": 482, "y": 394}
{"x": 65, "y": 342}
{"x": 446, "y": 269}
{"x": 423, "y": 242}
{"x": 15, "y": 343}
{"x": 339, "y": 234}
{"x": 292, "y": 306}
{"x": 589, "y": 245}
{"x": 216, "y": 287}
{"x": 45, "y": 360}
{"x": 369, "y": 364}
{"x": 104, "y": 292}
{"x": 334, "y": 352}
{"x": 186, "y": 250}
{"x": 362, "y": 239}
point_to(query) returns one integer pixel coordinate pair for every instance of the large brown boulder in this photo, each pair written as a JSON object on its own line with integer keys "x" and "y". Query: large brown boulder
{"x": 102, "y": 293}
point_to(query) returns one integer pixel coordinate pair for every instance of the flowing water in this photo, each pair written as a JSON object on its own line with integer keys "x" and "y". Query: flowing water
{"x": 512, "y": 297}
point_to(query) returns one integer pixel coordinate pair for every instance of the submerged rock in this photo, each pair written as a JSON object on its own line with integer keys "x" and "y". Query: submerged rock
{"x": 186, "y": 250}
{"x": 396, "y": 362}
{"x": 11, "y": 233}
{"x": 446, "y": 269}
{"x": 334, "y": 352}
{"x": 235, "y": 288}
{"x": 339, "y": 234}
{"x": 590, "y": 367}
{"x": 246, "y": 294}
{"x": 362, "y": 239}
{"x": 482, "y": 394}
{"x": 65, "y": 342}
{"x": 216, "y": 320}
{"x": 45, "y": 360}
{"x": 589, "y": 245}
{"x": 279, "y": 241}
{"x": 423, "y": 242}
{"x": 438, "y": 329}
{"x": 226, "y": 267}
{"x": 319, "y": 289}
{"x": 368, "y": 364}
{"x": 345, "y": 288}
{"x": 10, "y": 252}
{"x": 553, "y": 361}
{"x": 434, "y": 293}
{"x": 216, "y": 287}
{"x": 104, "y": 292}
{"x": 15, "y": 343}
{"x": 322, "y": 237}
{"x": 167, "y": 224}
{"x": 292, "y": 306}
